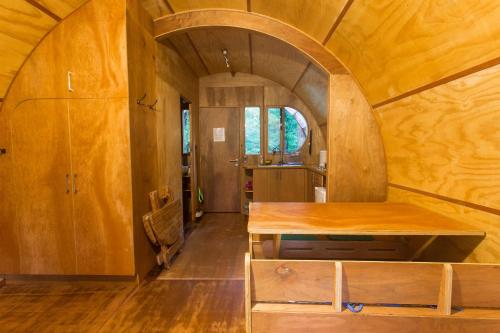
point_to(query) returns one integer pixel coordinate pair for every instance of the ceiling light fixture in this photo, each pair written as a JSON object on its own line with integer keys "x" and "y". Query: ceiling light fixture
{"x": 225, "y": 54}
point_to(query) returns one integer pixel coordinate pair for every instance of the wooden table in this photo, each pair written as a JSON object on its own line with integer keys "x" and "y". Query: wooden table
{"x": 374, "y": 219}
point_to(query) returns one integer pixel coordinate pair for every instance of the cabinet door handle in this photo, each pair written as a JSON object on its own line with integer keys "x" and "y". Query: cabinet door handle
{"x": 67, "y": 183}
{"x": 70, "y": 88}
{"x": 75, "y": 190}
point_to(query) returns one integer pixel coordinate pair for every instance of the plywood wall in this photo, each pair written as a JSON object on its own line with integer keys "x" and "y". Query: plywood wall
{"x": 356, "y": 161}
{"x": 157, "y": 71}
{"x": 252, "y": 90}
{"x": 62, "y": 243}
{"x": 443, "y": 153}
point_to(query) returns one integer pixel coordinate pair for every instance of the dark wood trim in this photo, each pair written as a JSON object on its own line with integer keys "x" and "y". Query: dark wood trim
{"x": 250, "y": 50}
{"x": 439, "y": 82}
{"x": 169, "y": 6}
{"x": 448, "y": 199}
{"x": 44, "y": 9}
{"x": 337, "y": 21}
{"x": 197, "y": 53}
{"x": 249, "y": 5}
{"x": 301, "y": 76}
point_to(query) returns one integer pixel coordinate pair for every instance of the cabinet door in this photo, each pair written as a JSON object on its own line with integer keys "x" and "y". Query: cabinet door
{"x": 292, "y": 185}
{"x": 40, "y": 150}
{"x": 260, "y": 185}
{"x": 100, "y": 155}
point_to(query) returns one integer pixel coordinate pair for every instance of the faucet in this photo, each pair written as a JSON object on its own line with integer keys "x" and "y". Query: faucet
{"x": 282, "y": 155}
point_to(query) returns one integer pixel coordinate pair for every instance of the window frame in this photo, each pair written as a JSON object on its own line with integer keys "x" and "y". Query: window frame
{"x": 261, "y": 120}
{"x": 282, "y": 129}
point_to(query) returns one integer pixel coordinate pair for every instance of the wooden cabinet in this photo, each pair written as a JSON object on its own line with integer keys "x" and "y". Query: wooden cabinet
{"x": 279, "y": 185}
{"x": 41, "y": 172}
{"x": 72, "y": 186}
{"x": 313, "y": 179}
{"x": 100, "y": 161}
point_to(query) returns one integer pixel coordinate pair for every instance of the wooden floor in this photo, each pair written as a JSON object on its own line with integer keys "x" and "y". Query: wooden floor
{"x": 209, "y": 299}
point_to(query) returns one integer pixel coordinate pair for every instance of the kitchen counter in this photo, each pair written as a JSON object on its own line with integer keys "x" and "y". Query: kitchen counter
{"x": 313, "y": 168}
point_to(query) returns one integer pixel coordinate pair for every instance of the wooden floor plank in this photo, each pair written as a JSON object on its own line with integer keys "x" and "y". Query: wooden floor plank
{"x": 199, "y": 299}
{"x": 214, "y": 250}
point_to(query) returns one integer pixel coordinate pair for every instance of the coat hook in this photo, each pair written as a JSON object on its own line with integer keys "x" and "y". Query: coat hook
{"x": 152, "y": 106}
{"x": 140, "y": 100}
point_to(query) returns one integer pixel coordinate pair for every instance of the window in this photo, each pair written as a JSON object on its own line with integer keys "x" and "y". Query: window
{"x": 294, "y": 130}
{"x": 273, "y": 130}
{"x": 252, "y": 130}
{"x": 186, "y": 133}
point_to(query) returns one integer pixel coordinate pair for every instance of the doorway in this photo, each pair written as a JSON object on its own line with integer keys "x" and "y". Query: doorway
{"x": 220, "y": 155}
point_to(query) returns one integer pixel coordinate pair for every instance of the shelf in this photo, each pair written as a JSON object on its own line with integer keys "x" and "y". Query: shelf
{"x": 248, "y": 191}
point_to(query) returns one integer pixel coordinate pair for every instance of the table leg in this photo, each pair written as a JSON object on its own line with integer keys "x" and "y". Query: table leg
{"x": 420, "y": 246}
{"x": 250, "y": 245}
{"x": 276, "y": 246}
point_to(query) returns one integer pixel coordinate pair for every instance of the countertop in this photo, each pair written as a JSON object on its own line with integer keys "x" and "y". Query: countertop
{"x": 313, "y": 168}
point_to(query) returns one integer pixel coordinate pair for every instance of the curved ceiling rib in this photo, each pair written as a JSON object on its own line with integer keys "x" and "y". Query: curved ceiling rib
{"x": 23, "y": 23}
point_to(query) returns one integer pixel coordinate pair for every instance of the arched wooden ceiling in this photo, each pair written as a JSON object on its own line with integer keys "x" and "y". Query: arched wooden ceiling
{"x": 254, "y": 53}
{"x": 393, "y": 47}
{"x": 22, "y": 24}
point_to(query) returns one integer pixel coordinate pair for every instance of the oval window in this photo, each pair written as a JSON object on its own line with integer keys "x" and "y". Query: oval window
{"x": 295, "y": 130}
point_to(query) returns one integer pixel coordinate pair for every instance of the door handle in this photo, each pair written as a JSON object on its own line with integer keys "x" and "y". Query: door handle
{"x": 67, "y": 183}
{"x": 70, "y": 88}
{"x": 75, "y": 190}
{"x": 236, "y": 161}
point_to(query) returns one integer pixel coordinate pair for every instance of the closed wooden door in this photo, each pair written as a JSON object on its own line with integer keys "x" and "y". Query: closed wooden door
{"x": 101, "y": 189}
{"x": 219, "y": 172}
{"x": 41, "y": 164}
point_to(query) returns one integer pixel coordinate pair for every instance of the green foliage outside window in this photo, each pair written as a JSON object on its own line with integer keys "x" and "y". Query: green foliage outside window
{"x": 252, "y": 130}
{"x": 273, "y": 130}
{"x": 295, "y": 130}
{"x": 186, "y": 137}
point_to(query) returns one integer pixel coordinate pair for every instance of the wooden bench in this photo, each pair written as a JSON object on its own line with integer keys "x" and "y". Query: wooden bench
{"x": 310, "y": 296}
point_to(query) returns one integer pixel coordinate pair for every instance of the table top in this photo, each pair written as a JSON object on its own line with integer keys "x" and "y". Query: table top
{"x": 353, "y": 219}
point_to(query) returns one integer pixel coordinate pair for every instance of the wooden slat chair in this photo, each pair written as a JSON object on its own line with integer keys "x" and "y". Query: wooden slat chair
{"x": 301, "y": 295}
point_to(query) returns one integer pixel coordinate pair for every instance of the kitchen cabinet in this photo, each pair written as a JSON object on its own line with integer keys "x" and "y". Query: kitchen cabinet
{"x": 279, "y": 185}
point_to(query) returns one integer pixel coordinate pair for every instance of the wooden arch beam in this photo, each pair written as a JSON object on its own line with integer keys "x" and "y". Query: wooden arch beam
{"x": 313, "y": 49}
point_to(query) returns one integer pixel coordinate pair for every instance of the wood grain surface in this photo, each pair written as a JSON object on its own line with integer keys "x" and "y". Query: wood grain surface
{"x": 222, "y": 239}
{"x": 446, "y": 140}
{"x": 352, "y": 219}
{"x": 392, "y": 47}
{"x": 356, "y": 161}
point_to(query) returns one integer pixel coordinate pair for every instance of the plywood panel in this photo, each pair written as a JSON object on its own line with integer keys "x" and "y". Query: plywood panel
{"x": 61, "y": 8}
{"x": 102, "y": 200}
{"x": 231, "y": 96}
{"x": 21, "y": 26}
{"x": 183, "y": 5}
{"x": 41, "y": 163}
{"x": 8, "y": 235}
{"x": 446, "y": 140}
{"x": 156, "y": 8}
{"x": 356, "y": 161}
{"x": 468, "y": 249}
{"x": 141, "y": 50}
{"x": 277, "y": 61}
{"x": 185, "y": 48}
{"x": 312, "y": 88}
{"x": 210, "y": 43}
{"x": 396, "y": 46}
{"x": 313, "y": 17}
